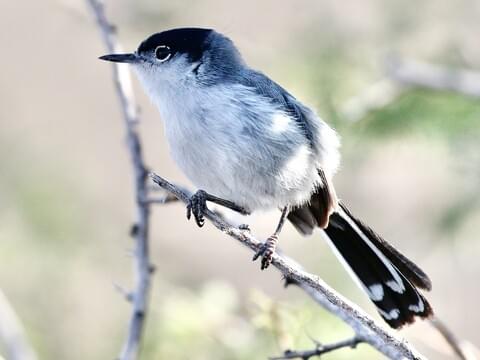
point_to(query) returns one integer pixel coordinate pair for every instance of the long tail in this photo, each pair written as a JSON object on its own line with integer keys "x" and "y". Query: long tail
{"x": 389, "y": 278}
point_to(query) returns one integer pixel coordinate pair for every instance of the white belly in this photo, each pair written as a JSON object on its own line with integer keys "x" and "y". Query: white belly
{"x": 225, "y": 173}
{"x": 239, "y": 150}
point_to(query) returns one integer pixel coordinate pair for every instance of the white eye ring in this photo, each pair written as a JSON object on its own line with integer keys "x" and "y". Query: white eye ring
{"x": 162, "y": 53}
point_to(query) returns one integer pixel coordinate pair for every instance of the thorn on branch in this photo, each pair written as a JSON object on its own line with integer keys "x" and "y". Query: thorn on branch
{"x": 140, "y": 314}
{"x": 128, "y": 295}
{"x": 152, "y": 268}
{"x": 134, "y": 230}
{"x": 288, "y": 281}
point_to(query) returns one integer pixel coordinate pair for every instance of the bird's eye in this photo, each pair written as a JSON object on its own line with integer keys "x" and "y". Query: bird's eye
{"x": 162, "y": 53}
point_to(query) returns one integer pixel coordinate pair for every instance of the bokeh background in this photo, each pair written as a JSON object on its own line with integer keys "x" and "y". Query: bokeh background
{"x": 411, "y": 169}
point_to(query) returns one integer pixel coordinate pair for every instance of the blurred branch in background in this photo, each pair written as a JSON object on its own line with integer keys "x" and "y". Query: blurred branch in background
{"x": 404, "y": 74}
{"x": 463, "y": 349}
{"x": 319, "y": 350}
{"x": 12, "y": 334}
{"x": 420, "y": 74}
{"x": 365, "y": 328}
{"x": 140, "y": 229}
{"x": 373, "y": 97}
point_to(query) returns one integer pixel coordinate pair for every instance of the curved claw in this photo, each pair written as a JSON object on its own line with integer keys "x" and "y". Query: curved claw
{"x": 259, "y": 252}
{"x": 200, "y": 220}
{"x": 266, "y": 251}
{"x": 197, "y": 206}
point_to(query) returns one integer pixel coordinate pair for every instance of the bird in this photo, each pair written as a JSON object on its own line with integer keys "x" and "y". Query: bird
{"x": 248, "y": 144}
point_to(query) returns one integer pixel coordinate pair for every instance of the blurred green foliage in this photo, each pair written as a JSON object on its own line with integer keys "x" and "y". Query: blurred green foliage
{"x": 215, "y": 322}
{"x": 430, "y": 113}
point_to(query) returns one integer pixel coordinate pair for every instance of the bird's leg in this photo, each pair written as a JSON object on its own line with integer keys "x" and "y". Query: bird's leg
{"x": 198, "y": 204}
{"x": 267, "y": 249}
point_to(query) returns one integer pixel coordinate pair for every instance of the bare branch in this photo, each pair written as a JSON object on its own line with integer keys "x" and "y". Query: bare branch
{"x": 319, "y": 350}
{"x": 365, "y": 328}
{"x": 402, "y": 75}
{"x": 459, "y": 347}
{"x": 420, "y": 74}
{"x": 143, "y": 269}
{"x": 12, "y": 334}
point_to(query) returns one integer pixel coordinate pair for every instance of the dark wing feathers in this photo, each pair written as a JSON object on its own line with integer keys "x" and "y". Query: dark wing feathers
{"x": 410, "y": 270}
{"x": 397, "y": 300}
{"x": 318, "y": 210}
{"x": 388, "y": 277}
{"x": 303, "y": 219}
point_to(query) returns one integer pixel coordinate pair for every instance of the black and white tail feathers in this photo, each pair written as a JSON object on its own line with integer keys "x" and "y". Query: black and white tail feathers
{"x": 389, "y": 278}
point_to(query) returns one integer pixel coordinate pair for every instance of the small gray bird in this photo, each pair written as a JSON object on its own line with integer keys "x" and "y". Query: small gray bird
{"x": 248, "y": 144}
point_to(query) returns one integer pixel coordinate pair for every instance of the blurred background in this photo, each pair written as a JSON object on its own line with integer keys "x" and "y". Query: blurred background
{"x": 411, "y": 169}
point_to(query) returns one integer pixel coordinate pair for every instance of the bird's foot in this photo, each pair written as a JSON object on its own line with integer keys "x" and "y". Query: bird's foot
{"x": 266, "y": 251}
{"x": 197, "y": 205}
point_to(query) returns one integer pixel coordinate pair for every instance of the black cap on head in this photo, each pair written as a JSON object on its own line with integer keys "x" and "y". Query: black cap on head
{"x": 189, "y": 41}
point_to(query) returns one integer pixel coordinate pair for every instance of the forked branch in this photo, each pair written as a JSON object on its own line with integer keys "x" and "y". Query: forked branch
{"x": 320, "y": 349}
{"x": 365, "y": 328}
{"x": 140, "y": 229}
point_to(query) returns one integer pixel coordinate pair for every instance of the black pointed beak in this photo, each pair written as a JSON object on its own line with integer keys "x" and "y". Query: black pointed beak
{"x": 121, "y": 58}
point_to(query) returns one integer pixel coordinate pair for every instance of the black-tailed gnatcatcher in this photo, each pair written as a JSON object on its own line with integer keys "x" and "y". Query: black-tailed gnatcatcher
{"x": 249, "y": 144}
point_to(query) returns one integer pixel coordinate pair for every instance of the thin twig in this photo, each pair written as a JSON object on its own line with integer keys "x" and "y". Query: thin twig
{"x": 319, "y": 350}
{"x": 125, "y": 293}
{"x": 365, "y": 328}
{"x": 459, "y": 347}
{"x": 12, "y": 334}
{"x": 143, "y": 268}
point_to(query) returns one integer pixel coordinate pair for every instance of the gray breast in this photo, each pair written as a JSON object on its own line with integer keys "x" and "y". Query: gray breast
{"x": 238, "y": 146}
